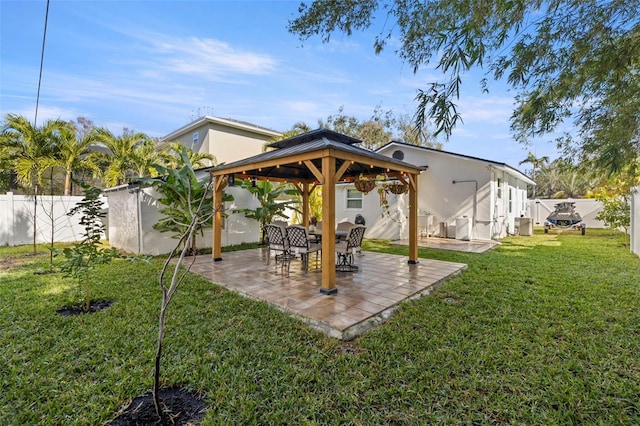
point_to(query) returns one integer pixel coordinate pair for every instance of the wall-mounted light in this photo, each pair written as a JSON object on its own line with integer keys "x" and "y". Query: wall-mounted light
{"x": 231, "y": 180}
{"x": 254, "y": 182}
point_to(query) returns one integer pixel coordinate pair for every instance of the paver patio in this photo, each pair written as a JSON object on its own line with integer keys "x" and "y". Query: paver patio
{"x": 365, "y": 298}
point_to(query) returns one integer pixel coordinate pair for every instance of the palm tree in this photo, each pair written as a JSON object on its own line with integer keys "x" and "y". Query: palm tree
{"x": 143, "y": 157}
{"x": 6, "y": 171}
{"x": 535, "y": 162}
{"x": 74, "y": 151}
{"x": 170, "y": 157}
{"x": 31, "y": 149}
{"x": 118, "y": 164}
{"x": 298, "y": 128}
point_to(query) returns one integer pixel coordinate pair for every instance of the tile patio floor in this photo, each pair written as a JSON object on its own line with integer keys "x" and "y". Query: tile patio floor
{"x": 364, "y": 300}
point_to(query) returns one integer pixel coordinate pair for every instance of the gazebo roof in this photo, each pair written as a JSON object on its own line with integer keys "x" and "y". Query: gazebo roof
{"x": 321, "y": 157}
{"x": 288, "y": 160}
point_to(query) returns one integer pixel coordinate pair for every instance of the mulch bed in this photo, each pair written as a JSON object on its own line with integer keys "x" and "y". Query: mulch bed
{"x": 94, "y": 306}
{"x": 182, "y": 408}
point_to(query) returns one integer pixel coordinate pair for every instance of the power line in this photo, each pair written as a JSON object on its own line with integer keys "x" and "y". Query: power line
{"x": 44, "y": 38}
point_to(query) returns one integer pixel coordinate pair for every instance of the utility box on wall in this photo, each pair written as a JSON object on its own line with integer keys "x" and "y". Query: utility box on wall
{"x": 463, "y": 228}
{"x": 443, "y": 230}
{"x": 524, "y": 226}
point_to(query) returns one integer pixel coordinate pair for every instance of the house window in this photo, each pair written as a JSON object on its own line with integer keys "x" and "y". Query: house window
{"x": 510, "y": 200}
{"x": 354, "y": 199}
{"x": 195, "y": 138}
{"x": 499, "y": 187}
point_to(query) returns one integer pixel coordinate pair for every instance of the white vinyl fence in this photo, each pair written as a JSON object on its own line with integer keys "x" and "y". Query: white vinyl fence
{"x": 635, "y": 222}
{"x": 17, "y": 219}
{"x": 588, "y": 208}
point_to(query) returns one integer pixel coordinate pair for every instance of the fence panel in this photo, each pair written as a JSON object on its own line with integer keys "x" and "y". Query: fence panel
{"x": 19, "y": 213}
{"x": 587, "y": 207}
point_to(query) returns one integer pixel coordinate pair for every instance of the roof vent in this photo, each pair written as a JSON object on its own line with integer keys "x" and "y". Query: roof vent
{"x": 398, "y": 155}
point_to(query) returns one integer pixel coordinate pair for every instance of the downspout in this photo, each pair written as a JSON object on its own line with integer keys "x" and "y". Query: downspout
{"x": 475, "y": 201}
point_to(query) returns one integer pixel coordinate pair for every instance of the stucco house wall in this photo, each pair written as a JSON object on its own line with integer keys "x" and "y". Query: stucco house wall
{"x": 485, "y": 199}
{"x": 228, "y": 140}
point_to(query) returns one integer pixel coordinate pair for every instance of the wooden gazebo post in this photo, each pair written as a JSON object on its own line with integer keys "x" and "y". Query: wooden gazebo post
{"x": 328, "y": 224}
{"x": 219, "y": 183}
{"x": 413, "y": 219}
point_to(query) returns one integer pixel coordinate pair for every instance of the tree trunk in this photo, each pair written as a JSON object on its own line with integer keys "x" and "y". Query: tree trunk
{"x": 156, "y": 375}
{"x": 67, "y": 183}
{"x": 35, "y": 217}
{"x": 87, "y": 294}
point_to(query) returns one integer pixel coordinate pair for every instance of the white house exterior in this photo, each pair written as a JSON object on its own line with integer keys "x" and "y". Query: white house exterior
{"x": 228, "y": 140}
{"x": 459, "y": 197}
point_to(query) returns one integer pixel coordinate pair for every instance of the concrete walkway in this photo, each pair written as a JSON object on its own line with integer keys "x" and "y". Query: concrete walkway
{"x": 473, "y": 246}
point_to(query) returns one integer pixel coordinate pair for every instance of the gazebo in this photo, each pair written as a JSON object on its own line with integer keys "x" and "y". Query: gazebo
{"x": 320, "y": 157}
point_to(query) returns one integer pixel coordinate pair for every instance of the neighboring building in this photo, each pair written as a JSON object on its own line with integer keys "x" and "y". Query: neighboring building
{"x": 460, "y": 197}
{"x": 228, "y": 140}
{"x": 133, "y": 210}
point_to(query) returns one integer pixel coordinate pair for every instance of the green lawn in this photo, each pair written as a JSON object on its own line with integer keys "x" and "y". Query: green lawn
{"x": 541, "y": 330}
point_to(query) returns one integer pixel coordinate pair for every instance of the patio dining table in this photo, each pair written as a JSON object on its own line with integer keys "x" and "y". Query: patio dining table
{"x": 317, "y": 234}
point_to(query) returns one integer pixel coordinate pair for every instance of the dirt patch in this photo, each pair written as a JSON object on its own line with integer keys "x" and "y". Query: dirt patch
{"x": 10, "y": 262}
{"x": 94, "y": 306}
{"x": 181, "y": 408}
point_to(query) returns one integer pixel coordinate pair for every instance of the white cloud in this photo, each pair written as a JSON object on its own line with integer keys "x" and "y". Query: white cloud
{"x": 487, "y": 109}
{"x": 195, "y": 55}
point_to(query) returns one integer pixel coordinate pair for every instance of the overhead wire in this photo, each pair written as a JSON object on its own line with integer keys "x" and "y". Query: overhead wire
{"x": 44, "y": 38}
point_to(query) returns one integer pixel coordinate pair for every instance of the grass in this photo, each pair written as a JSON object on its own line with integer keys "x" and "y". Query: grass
{"x": 541, "y": 330}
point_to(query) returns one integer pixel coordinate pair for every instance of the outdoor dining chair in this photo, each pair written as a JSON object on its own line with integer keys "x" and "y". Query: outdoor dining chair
{"x": 278, "y": 243}
{"x": 344, "y": 226}
{"x": 346, "y": 249}
{"x": 299, "y": 243}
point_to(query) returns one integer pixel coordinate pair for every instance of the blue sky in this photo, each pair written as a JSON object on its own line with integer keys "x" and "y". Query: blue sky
{"x": 154, "y": 66}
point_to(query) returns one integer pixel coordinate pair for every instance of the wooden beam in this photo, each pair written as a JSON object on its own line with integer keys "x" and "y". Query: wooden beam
{"x": 305, "y": 204}
{"x": 216, "y": 253}
{"x": 317, "y": 173}
{"x": 341, "y": 170}
{"x": 328, "y": 226}
{"x": 413, "y": 219}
